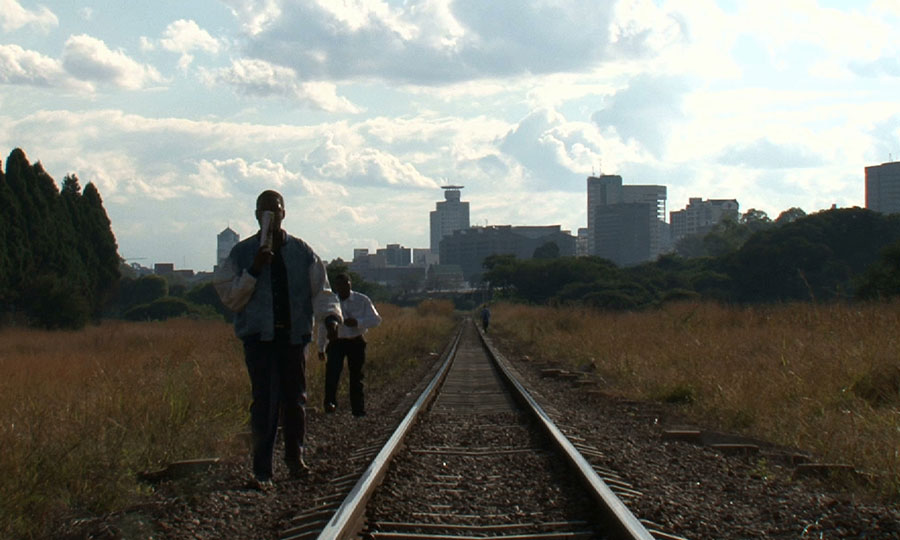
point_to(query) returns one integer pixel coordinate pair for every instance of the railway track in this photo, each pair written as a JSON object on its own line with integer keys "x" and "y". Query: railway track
{"x": 475, "y": 457}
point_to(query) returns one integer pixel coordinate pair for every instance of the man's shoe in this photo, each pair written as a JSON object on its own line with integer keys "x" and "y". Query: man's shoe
{"x": 359, "y": 414}
{"x": 298, "y": 470}
{"x": 261, "y": 484}
{"x": 330, "y": 408}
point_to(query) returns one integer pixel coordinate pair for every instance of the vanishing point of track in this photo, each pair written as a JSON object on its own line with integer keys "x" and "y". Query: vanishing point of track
{"x": 475, "y": 457}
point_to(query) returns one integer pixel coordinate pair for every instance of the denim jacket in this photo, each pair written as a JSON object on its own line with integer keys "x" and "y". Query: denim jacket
{"x": 311, "y": 299}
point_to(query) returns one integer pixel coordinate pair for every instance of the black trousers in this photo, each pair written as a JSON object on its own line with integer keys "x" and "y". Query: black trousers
{"x": 354, "y": 350}
{"x": 278, "y": 380}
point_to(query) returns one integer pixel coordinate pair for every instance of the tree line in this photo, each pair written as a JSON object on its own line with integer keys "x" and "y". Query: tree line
{"x": 58, "y": 256}
{"x": 837, "y": 254}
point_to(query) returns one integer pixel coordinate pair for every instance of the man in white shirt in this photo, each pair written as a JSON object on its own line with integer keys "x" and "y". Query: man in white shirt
{"x": 359, "y": 315}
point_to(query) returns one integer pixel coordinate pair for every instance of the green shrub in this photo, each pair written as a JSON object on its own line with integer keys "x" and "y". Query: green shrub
{"x": 161, "y": 309}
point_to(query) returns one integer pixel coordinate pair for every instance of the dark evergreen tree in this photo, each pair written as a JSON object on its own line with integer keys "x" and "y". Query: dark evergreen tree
{"x": 97, "y": 229}
{"x": 56, "y": 247}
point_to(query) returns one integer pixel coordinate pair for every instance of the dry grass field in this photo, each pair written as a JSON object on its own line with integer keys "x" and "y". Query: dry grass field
{"x": 81, "y": 413}
{"x": 824, "y": 378}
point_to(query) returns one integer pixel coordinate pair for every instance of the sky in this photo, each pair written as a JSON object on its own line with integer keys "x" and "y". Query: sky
{"x": 358, "y": 111}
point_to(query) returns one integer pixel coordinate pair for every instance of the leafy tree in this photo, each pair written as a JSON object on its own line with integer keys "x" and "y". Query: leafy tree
{"x": 50, "y": 237}
{"x": 146, "y": 289}
{"x": 161, "y": 309}
{"x": 882, "y": 279}
{"x": 549, "y": 250}
{"x": 816, "y": 257}
{"x": 789, "y": 216}
{"x": 53, "y": 305}
{"x": 755, "y": 220}
{"x": 205, "y": 295}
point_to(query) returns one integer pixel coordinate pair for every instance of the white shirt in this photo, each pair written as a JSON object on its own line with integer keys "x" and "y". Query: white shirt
{"x": 356, "y": 306}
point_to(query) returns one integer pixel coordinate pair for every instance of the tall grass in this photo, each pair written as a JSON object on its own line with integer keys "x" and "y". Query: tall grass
{"x": 821, "y": 378}
{"x": 82, "y": 412}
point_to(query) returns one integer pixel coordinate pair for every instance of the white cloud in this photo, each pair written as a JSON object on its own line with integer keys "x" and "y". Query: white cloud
{"x": 358, "y": 215}
{"x": 363, "y": 166}
{"x": 13, "y": 17}
{"x": 263, "y": 79}
{"x": 20, "y": 66}
{"x": 645, "y": 111}
{"x": 439, "y": 41}
{"x": 185, "y": 37}
{"x": 89, "y": 59}
{"x": 220, "y": 178}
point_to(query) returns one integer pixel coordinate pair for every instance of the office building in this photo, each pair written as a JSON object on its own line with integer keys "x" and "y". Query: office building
{"x": 449, "y": 215}
{"x": 699, "y": 216}
{"x": 469, "y": 247}
{"x": 626, "y": 223}
{"x": 225, "y": 240}
{"x": 395, "y": 255}
{"x": 424, "y": 257}
{"x": 883, "y": 187}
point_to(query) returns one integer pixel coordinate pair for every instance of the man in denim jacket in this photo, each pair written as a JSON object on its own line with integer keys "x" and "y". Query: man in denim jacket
{"x": 277, "y": 289}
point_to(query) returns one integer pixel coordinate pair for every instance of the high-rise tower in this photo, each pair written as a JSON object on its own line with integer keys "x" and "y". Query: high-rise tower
{"x": 626, "y": 223}
{"x": 883, "y": 187}
{"x": 225, "y": 240}
{"x": 449, "y": 215}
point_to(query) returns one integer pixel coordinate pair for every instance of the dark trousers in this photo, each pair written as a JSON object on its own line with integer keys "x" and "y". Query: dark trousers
{"x": 278, "y": 380}
{"x": 354, "y": 350}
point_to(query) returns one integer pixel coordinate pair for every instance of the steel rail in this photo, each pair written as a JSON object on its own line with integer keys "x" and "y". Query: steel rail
{"x": 349, "y": 516}
{"x": 615, "y": 514}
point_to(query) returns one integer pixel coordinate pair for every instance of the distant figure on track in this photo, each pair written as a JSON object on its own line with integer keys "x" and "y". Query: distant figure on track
{"x": 359, "y": 315}
{"x": 277, "y": 286}
{"x": 485, "y": 317}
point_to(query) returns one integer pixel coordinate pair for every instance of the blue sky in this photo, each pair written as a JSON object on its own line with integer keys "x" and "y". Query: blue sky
{"x": 359, "y": 110}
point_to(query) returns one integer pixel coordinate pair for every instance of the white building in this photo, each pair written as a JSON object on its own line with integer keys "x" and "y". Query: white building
{"x": 449, "y": 215}
{"x": 225, "y": 240}
{"x": 699, "y": 216}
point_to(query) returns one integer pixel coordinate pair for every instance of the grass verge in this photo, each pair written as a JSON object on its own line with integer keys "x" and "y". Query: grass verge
{"x": 81, "y": 413}
{"x": 824, "y": 378}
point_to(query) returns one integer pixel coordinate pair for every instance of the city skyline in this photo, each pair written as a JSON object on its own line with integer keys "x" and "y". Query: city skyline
{"x": 359, "y": 112}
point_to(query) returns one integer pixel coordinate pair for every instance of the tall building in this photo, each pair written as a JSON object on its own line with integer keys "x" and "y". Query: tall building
{"x": 626, "y": 224}
{"x": 449, "y": 215}
{"x": 883, "y": 187}
{"x": 699, "y": 216}
{"x": 225, "y": 240}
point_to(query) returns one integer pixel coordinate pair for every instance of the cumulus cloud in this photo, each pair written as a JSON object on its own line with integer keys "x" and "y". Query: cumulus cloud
{"x": 21, "y": 66}
{"x": 435, "y": 42}
{"x": 364, "y": 166}
{"x": 13, "y": 17}
{"x": 263, "y": 79}
{"x": 645, "y": 110}
{"x": 220, "y": 178}
{"x": 359, "y": 216}
{"x": 557, "y": 154}
{"x": 765, "y": 154}
{"x": 89, "y": 59}
{"x": 184, "y": 37}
